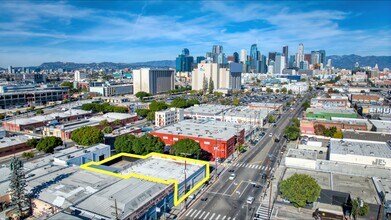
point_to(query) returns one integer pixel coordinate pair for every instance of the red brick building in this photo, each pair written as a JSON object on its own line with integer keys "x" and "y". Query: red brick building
{"x": 217, "y": 138}
{"x": 12, "y": 145}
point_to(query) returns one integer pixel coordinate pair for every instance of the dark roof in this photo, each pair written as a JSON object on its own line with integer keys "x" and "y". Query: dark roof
{"x": 367, "y": 136}
{"x": 333, "y": 197}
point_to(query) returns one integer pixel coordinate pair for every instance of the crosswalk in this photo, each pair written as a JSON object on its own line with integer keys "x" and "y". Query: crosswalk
{"x": 262, "y": 213}
{"x": 204, "y": 215}
{"x": 251, "y": 166}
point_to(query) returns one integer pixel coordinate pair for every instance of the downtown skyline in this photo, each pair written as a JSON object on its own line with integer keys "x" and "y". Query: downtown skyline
{"x": 37, "y": 32}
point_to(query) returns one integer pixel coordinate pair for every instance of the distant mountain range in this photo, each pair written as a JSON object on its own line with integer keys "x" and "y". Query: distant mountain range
{"x": 344, "y": 61}
{"x": 348, "y": 61}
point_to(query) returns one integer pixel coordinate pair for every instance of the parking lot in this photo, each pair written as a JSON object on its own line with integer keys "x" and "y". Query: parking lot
{"x": 265, "y": 97}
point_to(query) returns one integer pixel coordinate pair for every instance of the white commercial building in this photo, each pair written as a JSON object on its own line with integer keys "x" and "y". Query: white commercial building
{"x": 222, "y": 78}
{"x": 113, "y": 90}
{"x": 371, "y": 153}
{"x": 153, "y": 81}
{"x": 279, "y": 64}
{"x": 168, "y": 117}
{"x": 79, "y": 76}
{"x": 297, "y": 88}
{"x": 301, "y": 158}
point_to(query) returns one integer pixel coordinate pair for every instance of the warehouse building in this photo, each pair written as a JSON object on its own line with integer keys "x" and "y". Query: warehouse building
{"x": 371, "y": 153}
{"x": 327, "y": 113}
{"x": 207, "y": 112}
{"x": 217, "y": 138}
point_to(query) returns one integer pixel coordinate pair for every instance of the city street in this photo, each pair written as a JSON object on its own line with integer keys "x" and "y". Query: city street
{"x": 226, "y": 199}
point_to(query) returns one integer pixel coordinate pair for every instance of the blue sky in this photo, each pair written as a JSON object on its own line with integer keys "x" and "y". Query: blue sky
{"x": 32, "y": 32}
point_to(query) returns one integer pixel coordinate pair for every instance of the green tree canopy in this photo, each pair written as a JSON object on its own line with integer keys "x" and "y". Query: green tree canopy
{"x": 105, "y": 107}
{"x": 211, "y": 86}
{"x": 296, "y": 122}
{"x": 47, "y": 144}
{"x": 28, "y": 155}
{"x": 290, "y": 92}
{"x": 142, "y": 95}
{"x": 284, "y": 90}
{"x": 271, "y": 119}
{"x": 235, "y": 101}
{"x": 142, "y": 112}
{"x": 67, "y": 84}
{"x": 142, "y": 145}
{"x": 104, "y": 122}
{"x": 338, "y": 134}
{"x": 107, "y": 130}
{"x": 183, "y": 103}
{"x": 32, "y": 143}
{"x": 87, "y": 136}
{"x": 269, "y": 90}
{"x": 292, "y": 132}
{"x": 157, "y": 106}
{"x": 306, "y": 104}
{"x": 359, "y": 208}
{"x": 39, "y": 112}
{"x": 151, "y": 116}
{"x": 186, "y": 146}
{"x": 319, "y": 129}
{"x": 300, "y": 189}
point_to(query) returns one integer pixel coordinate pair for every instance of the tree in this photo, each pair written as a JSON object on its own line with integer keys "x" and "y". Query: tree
{"x": 28, "y": 155}
{"x": 124, "y": 143}
{"x": 87, "y": 136}
{"x": 18, "y": 186}
{"x": 271, "y": 119}
{"x": 47, "y": 144}
{"x": 39, "y": 112}
{"x": 107, "y": 130}
{"x": 179, "y": 103}
{"x": 300, "y": 189}
{"x": 236, "y": 102}
{"x": 306, "y": 104}
{"x": 338, "y": 134}
{"x": 319, "y": 129}
{"x": 211, "y": 85}
{"x": 359, "y": 207}
{"x": 67, "y": 84}
{"x": 277, "y": 91}
{"x": 292, "y": 132}
{"x": 157, "y": 106}
{"x": 186, "y": 146}
{"x": 284, "y": 90}
{"x": 141, "y": 95}
{"x": 151, "y": 116}
{"x": 288, "y": 104}
{"x": 331, "y": 90}
{"x": 204, "y": 85}
{"x": 104, "y": 122}
{"x": 290, "y": 92}
{"x": 117, "y": 122}
{"x": 32, "y": 143}
{"x": 310, "y": 88}
{"x": 269, "y": 90}
{"x": 296, "y": 122}
{"x": 142, "y": 112}
{"x": 2, "y": 116}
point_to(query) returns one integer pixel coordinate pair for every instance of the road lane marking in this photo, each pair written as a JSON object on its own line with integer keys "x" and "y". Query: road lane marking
{"x": 218, "y": 217}
{"x": 193, "y": 213}
{"x": 189, "y": 212}
{"x": 202, "y": 214}
{"x": 206, "y": 215}
{"x": 224, "y": 217}
{"x": 211, "y": 217}
{"x": 217, "y": 193}
{"x": 233, "y": 181}
{"x": 229, "y": 218}
{"x": 236, "y": 189}
{"x": 197, "y": 214}
{"x": 244, "y": 190}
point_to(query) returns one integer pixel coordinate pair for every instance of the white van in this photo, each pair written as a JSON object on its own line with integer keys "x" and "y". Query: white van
{"x": 250, "y": 200}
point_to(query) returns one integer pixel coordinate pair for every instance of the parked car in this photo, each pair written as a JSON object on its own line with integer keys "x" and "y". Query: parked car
{"x": 232, "y": 176}
{"x": 250, "y": 200}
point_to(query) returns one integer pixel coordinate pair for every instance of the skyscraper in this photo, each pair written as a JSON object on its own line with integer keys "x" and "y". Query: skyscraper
{"x": 315, "y": 57}
{"x": 285, "y": 54}
{"x": 236, "y": 57}
{"x": 185, "y": 52}
{"x": 292, "y": 61}
{"x": 279, "y": 64}
{"x": 153, "y": 81}
{"x": 272, "y": 56}
{"x": 253, "y": 57}
{"x": 243, "y": 56}
{"x": 300, "y": 55}
{"x": 200, "y": 58}
{"x": 184, "y": 62}
{"x": 217, "y": 49}
{"x": 322, "y": 57}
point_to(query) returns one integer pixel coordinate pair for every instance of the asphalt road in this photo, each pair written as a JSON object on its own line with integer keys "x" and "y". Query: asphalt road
{"x": 226, "y": 199}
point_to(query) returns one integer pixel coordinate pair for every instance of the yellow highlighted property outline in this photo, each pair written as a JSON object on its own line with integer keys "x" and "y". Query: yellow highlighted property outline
{"x": 177, "y": 200}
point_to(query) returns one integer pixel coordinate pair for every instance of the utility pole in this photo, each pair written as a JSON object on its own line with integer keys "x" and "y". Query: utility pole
{"x": 116, "y": 209}
{"x": 186, "y": 154}
{"x": 270, "y": 199}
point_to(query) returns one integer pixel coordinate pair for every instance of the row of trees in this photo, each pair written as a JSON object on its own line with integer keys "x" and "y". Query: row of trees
{"x": 283, "y": 90}
{"x": 328, "y": 132}
{"x": 155, "y": 106}
{"x": 180, "y": 89}
{"x": 87, "y": 136}
{"x": 292, "y": 132}
{"x": 138, "y": 145}
{"x": 46, "y": 144}
{"x": 141, "y": 95}
{"x": 105, "y": 107}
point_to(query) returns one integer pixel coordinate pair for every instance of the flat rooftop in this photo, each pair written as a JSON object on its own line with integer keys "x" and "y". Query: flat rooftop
{"x": 68, "y": 185}
{"x": 129, "y": 194}
{"x": 49, "y": 117}
{"x": 162, "y": 168}
{"x": 82, "y": 151}
{"x": 366, "y": 135}
{"x": 247, "y": 112}
{"x": 11, "y": 141}
{"x": 207, "y": 109}
{"x": 198, "y": 128}
{"x": 381, "y": 124}
{"x": 302, "y": 154}
{"x": 360, "y": 147}
{"x": 332, "y": 110}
